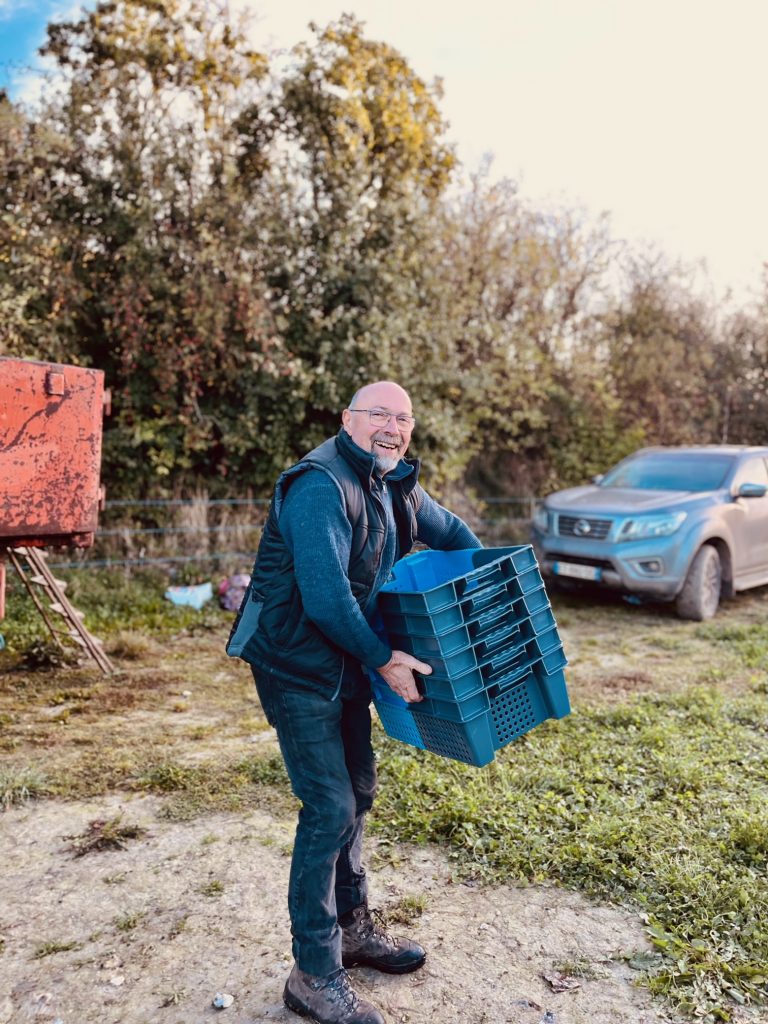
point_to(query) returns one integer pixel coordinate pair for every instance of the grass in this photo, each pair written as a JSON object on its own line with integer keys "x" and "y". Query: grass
{"x": 121, "y": 608}
{"x": 192, "y": 790}
{"x": 50, "y": 948}
{"x": 105, "y": 834}
{"x": 659, "y": 803}
{"x": 129, "y": 921}
{"x": 407, "y": 909}
{"x": 580, "y": 967}
{"x": 748, "y": 643}
{"x": 212, "y": 889}
{"x": 19, "y": 785}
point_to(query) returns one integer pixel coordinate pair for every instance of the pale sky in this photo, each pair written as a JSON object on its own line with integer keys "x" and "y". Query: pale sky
{"x": 653, "y": 110}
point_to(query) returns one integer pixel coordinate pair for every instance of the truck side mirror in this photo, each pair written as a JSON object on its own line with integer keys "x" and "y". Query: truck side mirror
{"x": 752, "y": 491}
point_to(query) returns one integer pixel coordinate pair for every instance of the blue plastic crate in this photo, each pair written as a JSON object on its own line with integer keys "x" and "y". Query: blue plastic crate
{"x": 472, "y": 742}
{"x": 451, "y": 687}
{"x": 543, "y": 642}
{"x": 553, "y": 690}
{"x": 469, "y": 741}
{"x": 481, "y": 618}
{"x": 514, "y": 708}
{"x": 526, "y": 582}
{"x": 430, "y": 581}
{"x": 517, "y": 709}
{"x": 498, "y": 632}
{"x": 399, "y": 723}
{"x": 451, "y": 710}
{"x": 444, "y": 664}
{"x": 538, "y": 622}
{"x": 456, "y": 631}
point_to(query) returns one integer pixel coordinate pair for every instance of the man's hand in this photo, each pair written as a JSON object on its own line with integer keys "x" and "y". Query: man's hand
{"x": 398, "y": 673}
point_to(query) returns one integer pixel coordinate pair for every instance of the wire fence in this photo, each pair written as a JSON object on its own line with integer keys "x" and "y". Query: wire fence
{"x": 223, "y": 534}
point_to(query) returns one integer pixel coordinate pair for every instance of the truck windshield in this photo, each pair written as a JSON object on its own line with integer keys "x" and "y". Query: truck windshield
{"x": 671, "y": 471}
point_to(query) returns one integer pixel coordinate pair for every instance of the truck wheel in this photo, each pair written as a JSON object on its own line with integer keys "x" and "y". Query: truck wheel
{"x": 700, "y": 596}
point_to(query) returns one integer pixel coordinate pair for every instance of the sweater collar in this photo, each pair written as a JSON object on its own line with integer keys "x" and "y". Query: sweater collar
{"x": 364, "y": 463}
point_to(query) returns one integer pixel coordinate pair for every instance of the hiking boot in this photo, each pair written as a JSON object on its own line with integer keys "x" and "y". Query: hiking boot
{"x": 328, "y": 1000}
{"x": 363, "y": 942}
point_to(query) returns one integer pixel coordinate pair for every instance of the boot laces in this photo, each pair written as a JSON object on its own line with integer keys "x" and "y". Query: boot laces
{"x": 340, "y": 990}
{"x": 373, "y": 926}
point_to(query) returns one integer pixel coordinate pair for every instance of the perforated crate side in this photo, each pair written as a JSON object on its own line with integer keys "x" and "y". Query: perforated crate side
{"x": 399, "y": 723}
{"x": 517, "y": 711}
{"x": 470, "y": 742}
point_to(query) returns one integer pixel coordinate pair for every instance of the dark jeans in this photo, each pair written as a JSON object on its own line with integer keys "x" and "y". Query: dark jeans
{"x": 326, "y": 745}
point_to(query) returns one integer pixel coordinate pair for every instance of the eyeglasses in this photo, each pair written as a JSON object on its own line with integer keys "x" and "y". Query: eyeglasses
{"x": 381, "y": 418}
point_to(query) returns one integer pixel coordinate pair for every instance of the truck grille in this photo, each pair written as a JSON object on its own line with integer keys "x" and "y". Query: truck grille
{"x": 598, "y": 563}
{"x": 594, "y": 529}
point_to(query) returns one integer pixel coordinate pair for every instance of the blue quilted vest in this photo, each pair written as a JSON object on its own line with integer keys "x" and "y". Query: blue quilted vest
{"x": 285, "y": 643}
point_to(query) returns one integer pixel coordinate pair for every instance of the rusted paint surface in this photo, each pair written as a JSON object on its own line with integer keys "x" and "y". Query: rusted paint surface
{"x": 50, "y": 452}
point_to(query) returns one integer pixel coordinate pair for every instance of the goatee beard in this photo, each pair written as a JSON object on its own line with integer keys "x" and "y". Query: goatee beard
{"x": 386, "y": 465}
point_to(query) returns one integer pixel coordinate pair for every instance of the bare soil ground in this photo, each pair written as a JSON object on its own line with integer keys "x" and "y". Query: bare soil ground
{"x": 195, "y": 905}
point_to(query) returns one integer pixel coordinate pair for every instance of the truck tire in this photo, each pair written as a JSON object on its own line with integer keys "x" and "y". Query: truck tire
{"x": 700, "y": 596}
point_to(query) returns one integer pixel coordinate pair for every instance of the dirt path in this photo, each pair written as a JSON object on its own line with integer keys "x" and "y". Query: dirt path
{"x": 198, "y": 908}
{"x": 152, "y": 932}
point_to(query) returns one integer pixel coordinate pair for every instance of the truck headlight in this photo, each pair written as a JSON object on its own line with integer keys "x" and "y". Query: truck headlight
{"x": 541, "y": 518}
{"x": 651, "y": 526}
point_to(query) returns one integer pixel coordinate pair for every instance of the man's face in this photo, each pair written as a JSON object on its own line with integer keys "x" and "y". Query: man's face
{"x": 387, "y": 443}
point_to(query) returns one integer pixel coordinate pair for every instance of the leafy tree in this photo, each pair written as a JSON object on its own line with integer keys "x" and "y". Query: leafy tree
{"x": 168, "y": 300}
{"x": 34, "y": 281}
{"x": 350, "y": 254}
{"x": 739, "y": 382}
{"x": 660, "y": 344}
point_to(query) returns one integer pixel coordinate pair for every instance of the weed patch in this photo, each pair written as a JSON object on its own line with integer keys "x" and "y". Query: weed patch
{"x": 20, "y": 785}
{"x": 105, "y": 834}
{"x": 659, "y": 802}
{"x": 50, "y": 948}
{"x": 128, "y": 922}
{"x": 406, "y": 910}
{"x": 200, "y": 788}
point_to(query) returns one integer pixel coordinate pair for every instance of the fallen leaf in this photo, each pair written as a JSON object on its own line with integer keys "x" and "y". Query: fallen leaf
{"x": 561, "y": 982}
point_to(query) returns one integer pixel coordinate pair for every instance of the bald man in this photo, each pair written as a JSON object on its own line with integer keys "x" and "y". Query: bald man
{"x": 339, "y": 520}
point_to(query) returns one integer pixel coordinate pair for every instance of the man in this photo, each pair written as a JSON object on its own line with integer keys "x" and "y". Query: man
{"x": 338, "y": 521}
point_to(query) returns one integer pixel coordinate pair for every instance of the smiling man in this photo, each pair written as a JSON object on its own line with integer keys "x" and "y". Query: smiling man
{"x": 338, "y": 521}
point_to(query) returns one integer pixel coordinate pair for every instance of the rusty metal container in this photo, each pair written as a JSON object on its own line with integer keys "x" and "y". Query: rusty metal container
{"x": 50, "y": 453}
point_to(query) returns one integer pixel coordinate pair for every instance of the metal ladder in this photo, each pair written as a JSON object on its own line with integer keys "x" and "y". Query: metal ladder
{"x": 41, "y": 578}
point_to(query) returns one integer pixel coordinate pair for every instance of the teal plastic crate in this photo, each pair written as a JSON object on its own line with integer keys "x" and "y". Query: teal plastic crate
{"x": 481, "y": 618}
{"x": 513, "y": 710}
{"x": 430, "y": 581}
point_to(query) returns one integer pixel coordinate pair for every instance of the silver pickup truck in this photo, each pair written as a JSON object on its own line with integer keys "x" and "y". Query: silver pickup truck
{"x": 672, "y": 524}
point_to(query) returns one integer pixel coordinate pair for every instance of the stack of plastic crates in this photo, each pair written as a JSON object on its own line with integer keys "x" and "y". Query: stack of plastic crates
{"x": 481, "y": 619}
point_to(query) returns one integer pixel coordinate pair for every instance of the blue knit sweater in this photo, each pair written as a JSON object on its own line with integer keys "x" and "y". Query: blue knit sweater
{"x": 317, "y": 531}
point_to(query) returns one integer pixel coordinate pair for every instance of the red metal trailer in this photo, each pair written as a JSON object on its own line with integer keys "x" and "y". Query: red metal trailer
{"x": 50, "y": 456}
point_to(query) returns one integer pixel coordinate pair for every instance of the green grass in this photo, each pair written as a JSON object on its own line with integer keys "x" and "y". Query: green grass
{"x": 51, "y": 948}
{"x": 192, "y": 790}
{"x": 748, "y": 643}
{"x": 659, "y": 803}
{"x": 214, "y": 888}
{"x": 19, "y": 785}
{"x": 113, "y": 602}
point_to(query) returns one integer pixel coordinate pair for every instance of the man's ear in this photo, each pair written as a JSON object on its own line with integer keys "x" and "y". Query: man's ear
{"x": 346, "y": 419}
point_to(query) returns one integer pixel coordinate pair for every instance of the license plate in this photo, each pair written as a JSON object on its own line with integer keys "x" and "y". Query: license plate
{"x": 578, "y": 572}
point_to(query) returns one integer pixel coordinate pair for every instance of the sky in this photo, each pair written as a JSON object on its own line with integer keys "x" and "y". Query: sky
{"x": 651, "y": 110}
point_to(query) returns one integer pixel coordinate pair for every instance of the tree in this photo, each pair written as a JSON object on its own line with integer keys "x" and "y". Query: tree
{"x": 167, "y": 299}
{"x": 660, "y": 347}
